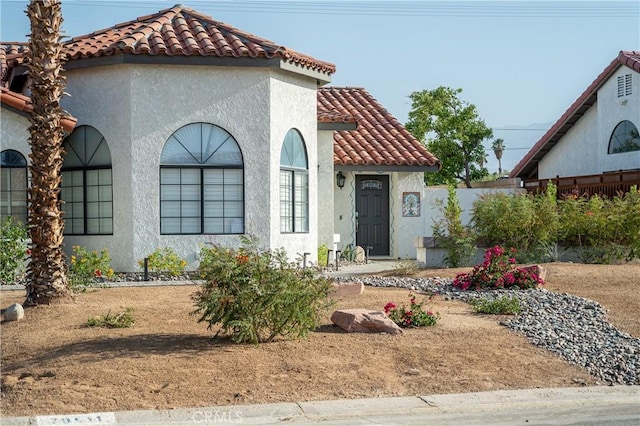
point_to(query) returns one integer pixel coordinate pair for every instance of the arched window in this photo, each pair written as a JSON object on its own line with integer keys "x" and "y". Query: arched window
{"x": 87, "y": 188}
{"x": 294, "y": 184}
{"x": 624, "y": 138}
{"x": 13, "y": 185}
{"x": 201, "y": 182}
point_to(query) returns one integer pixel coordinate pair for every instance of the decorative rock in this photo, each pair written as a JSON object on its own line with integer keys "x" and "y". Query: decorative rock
{"x": 364, "y": 321}
{"x": 360, "y": 255}
{"x": 574, "y": 328}
{"x": 536, "y": 269}
{"x": 346, "y": 289}
{"x": 14, "y": 312}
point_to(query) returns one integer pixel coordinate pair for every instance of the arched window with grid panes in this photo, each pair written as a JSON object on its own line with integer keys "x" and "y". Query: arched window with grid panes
{"x": 624, "y": 138}
{"x": 87, "y": 185}
{"x": 13, "y": 185}
{"x": 294, "y": 184}
{"x": 201, "y": 182}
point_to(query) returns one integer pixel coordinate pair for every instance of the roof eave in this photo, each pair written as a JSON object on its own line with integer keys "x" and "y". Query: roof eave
{"x": 337, "y": 126}
{"x": 387, "y": 168}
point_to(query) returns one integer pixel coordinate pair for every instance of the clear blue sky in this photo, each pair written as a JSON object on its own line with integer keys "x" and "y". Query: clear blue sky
{"x": 519, "y": 62}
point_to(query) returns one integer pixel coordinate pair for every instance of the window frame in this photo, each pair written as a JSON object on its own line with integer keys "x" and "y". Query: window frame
{"x": 104, "y": 213}
{"x": 611, "y": 149}
{"x": 296, "y": 219}
{"x": 23, "y": 166}
{"x": 202, "y": 166}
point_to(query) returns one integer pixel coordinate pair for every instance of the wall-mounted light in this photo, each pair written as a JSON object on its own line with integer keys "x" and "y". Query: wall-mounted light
{"x": 340, "y": 178}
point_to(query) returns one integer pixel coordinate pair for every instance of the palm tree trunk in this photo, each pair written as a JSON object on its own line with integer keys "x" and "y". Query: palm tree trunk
{"x": 47, "y": 270}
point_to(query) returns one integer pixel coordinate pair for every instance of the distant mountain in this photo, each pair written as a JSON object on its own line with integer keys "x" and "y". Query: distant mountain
{"x": 518, "y": 140}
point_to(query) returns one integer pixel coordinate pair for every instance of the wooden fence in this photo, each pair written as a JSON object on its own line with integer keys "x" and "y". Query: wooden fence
{"x": 606, "y": 184}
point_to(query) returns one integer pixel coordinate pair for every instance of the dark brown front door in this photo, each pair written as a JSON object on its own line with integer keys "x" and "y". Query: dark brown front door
{"x": 372, "y": 210}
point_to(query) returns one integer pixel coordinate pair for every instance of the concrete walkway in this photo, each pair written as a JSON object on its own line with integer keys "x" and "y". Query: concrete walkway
{"x": 612, "y": 405}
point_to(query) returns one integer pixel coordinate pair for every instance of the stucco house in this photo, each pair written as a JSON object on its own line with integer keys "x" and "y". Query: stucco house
{"x": 185, "y": 131}
{"x": 594, "y": 146}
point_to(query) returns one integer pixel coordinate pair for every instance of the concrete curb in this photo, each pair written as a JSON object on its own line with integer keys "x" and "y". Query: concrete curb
{"x": 553, "y": 406}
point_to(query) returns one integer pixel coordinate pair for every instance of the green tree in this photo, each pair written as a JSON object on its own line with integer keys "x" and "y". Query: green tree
{"x": 452, "y": 131}
{"x": 498, "y": 149}
{"x": 47, "y": 272}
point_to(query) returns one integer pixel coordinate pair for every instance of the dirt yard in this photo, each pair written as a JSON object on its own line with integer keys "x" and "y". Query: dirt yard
{"x": 53, "y": 364}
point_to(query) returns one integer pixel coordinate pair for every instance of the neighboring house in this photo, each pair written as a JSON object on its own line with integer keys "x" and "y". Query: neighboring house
{"x": 190, "y": 132}
{"x": 594, "y": 146}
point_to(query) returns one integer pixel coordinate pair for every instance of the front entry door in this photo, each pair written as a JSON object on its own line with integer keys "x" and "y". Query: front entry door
{"x": 372, "y": 213}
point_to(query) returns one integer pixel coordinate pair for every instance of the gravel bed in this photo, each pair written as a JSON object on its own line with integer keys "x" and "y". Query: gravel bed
{"x": 572, "y": 327}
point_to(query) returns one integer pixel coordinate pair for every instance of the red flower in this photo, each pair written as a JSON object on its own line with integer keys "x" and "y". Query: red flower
{"x": 28, "y": 252}
{"x": 97, "y": 273}
{"x": 388, "y": 307}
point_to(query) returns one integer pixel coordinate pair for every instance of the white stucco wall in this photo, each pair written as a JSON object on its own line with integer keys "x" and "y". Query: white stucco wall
{"x": 137, "y": 108}
{"x": 293, "y": 105}
{"x": 405, "y": 228}
{"x": 584, "y": 149}
{"x": 616, "y": 110}
{"x": 14, "y": 132}
{"x": 345, "y": 207}
{"x": 325, "y": 188}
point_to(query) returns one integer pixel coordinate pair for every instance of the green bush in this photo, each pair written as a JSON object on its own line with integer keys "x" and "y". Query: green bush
{"x": 449, "y": 233}
{"x": 504, "y": 305}
{"x": 405, "y": 267}
{"x": 122, "y": 320}
{"x": 257, "y": 295}
{"x": 323, "y": 255}
{"x": 604, "y": 229}
{"x": 88, "y": 268}
{"x": 14, "y": 250}
{"x": 528, "y": 222}
{"x": 165, "y": 260}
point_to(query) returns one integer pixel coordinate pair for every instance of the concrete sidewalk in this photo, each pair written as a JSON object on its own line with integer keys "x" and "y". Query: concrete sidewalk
{"x": 604, "y": 405}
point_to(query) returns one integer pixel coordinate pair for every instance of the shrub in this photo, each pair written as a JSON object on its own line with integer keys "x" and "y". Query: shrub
{"x": 457, "y": 240}
{"x": 414, "y": 316}
{"x": 257, "y": 295}
{"x": 348, "y": 253}
{"x": 14, "y": 250}
{"x": 405, "y": 267}
{"x": 122, "y": 320}
{"x": 165, "y": 260}
{"x": 88, "y": 268}
{"x": 323, "y": 255}
{"x": 497, "y": 271}
{"x": 528, "y": 222}
{"x": 603, "y": 229}
{"x": 504, "y": 305}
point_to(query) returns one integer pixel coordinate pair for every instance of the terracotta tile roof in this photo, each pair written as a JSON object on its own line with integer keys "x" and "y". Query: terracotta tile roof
{"x": 9, "y": 53}
{"x": 22, "y": 103}
{"x": 528, "y": 167}
{"x": 379, "y": 140}
{"x": 181, "y": 31}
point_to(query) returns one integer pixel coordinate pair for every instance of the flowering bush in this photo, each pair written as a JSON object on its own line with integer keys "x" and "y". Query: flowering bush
{"x": 498, "y": 270}
{"x": 257, "y": 295}
{"x": 88, "y": 267}
{"x": 165, "y": 260}
{"x": 414, "y": 316}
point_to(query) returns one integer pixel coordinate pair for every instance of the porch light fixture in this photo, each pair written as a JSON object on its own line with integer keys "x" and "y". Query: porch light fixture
{"x": 340, "y": 178}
